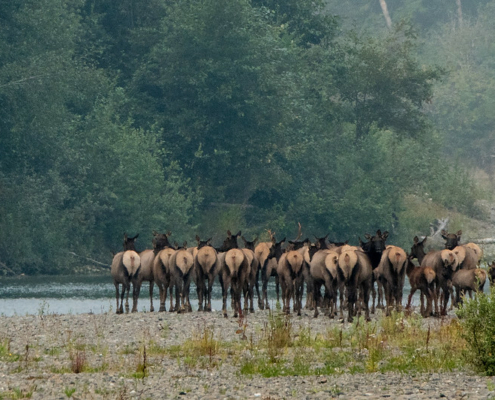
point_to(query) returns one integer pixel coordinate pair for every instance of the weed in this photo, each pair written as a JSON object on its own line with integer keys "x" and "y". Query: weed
{"x": 78, "y": 361}
{"x": 478, "y": 329}
{"x": 69, "y": 391}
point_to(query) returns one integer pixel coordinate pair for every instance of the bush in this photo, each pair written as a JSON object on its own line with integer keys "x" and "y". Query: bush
{"x": 477, "y": 318}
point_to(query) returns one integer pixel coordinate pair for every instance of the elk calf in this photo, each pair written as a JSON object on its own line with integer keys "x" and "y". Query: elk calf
{"x": 468, "y": 280}
{"x": 422, "y": 278}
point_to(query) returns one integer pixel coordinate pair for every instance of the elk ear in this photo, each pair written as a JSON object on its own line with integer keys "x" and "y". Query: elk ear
{"x": 385, "y": 235}
{"x": 244, "y": 240}
{"x": 197, "y": 239}
{"x": 379, "y": 232}
{"x": 255, "y": 240}
{"x": 283, "y": 240}
{"x": 318, "y": 245}
{"x": 444, "y": 234}
{"x": 125, "y": 236}
{"x": 459, "y": 233}
{"x": 168, "y": 234}
{"x": 416, "y": 240}
{"x": 229, "y": 234}
{"x": 184, "y": 245}
{"x": 424, "y": 240}
{"x": 238, "y": 234}
{"x": 155, "y": 233}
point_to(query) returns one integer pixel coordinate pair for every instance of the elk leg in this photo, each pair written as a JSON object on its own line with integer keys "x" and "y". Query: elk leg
{"x": 257, "y": 286}
{"x": 224, "y": 296}
{"x": 151, "y": 297}
{"x": 126, "y": 291}
{"x": 118, "y": 310}
{"x": 409, "y": 299}
{"x": 136, "y": 289}
{"x": 211, "y": 279}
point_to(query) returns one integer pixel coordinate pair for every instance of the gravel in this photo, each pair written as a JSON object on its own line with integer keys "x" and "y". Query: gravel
{"x": 37, "y": 355}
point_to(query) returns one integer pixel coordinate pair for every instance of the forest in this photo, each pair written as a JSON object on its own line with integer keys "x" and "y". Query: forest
{"x": 198, "y": 116}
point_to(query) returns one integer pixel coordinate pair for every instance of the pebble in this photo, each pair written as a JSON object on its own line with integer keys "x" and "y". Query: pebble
{"x": 117, "y": 340}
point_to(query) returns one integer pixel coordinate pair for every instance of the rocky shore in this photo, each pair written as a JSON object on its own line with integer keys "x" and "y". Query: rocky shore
{"x": 134, "y": 356}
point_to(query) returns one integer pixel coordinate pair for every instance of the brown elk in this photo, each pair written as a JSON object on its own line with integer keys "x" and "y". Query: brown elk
{"x": 444, "y": 263}
{"x": 468, "y": 280}
{"x": 160, "y": 241}
{"x": 323, "y": 271}
{"x": 374, "y": 248}
{"x": 423, "y": 279}
{"x": 162, "y": 270}
{"x": 206, "y": 266}
{"x": 252, "y": 281}
{"x": 477, "y": 251}
{"x": 491, "y": 273}
{"x": 355, "y": 273}
{"x": 181, "y": 271}
{"x": 268, "y": 268}
{"x": 290, "y": 272}
{"x": 125, "y": 265}
{"x": 393, "y": 271}
{"x": 234, "y": 272}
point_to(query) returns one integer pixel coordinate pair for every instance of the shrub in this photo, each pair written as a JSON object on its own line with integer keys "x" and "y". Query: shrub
{"x": 477, "y": 318}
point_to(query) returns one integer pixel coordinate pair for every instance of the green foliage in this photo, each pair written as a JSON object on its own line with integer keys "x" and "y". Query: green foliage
{"x": 477, "y": 319}
{"x": 202, "y": 116}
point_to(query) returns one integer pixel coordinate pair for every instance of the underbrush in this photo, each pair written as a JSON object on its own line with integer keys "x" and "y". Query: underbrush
{"x": 397, "y": 343}
{"x": 477, "y": 319}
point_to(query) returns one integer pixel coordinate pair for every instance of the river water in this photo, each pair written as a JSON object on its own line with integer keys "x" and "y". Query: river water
{"x": 77, "y": 294}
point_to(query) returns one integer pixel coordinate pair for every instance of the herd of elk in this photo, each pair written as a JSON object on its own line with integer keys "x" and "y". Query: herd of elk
{"x": 344, "y": 272}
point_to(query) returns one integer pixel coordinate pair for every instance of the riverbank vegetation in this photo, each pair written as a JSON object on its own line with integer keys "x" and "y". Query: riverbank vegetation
{"x": 203, "y": 116}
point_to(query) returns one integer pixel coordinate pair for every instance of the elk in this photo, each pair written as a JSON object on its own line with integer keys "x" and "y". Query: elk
{"x": 418, "y": 249}
{"x": 468, "y": 280}
{"x": 422, "y": 278}
{"x": 355, "y": 273}
{"x": 181, "y": 268}
{"x": 444, "y": 263}
{"x": 162, "y": 274}
{"x": 323, "y": 271}
{"x": 374, "y": 248}
{"x": 206, "y": 266}
{"x": 160, "y": 241}
{"x": 392, "y": 272}
{"x": 268, "y": 267}
{"x": 477, "y": 251}
{"x": 466, "y": 257}
{"x": 491, "y": 273}
{"x": 289, "y": 270}
{"x": 125, "y": 265}
{"x": 235, "y": 270}
{"x": 252, "y": 281}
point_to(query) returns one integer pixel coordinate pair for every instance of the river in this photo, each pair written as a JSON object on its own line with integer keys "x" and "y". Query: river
{"x": 78, "y": 294}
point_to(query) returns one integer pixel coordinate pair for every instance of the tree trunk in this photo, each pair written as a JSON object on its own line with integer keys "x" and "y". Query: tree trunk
{"x": 383, "y": 4}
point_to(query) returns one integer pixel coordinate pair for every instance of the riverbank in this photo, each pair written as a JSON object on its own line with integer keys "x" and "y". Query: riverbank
{"x": 203, "y": 355}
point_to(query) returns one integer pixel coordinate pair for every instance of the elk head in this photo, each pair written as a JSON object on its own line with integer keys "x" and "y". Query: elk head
{"x": 129, "y": 242}
{"x": 249, "y": 245}
{"x": 160, "y": 241}
{"x": 230, "y": 242}
{"x": 451, "y": 239}
{"x": 203, "y": 243}
{"x": 276, "y": 250}
{"x": 417, "y": 249}
{"x": 376, "y": 244}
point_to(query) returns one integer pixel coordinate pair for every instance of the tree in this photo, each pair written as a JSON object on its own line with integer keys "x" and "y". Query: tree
{"x": 382, "y": 83}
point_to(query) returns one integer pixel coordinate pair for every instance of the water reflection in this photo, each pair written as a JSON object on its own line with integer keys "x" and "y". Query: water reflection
{"x": 83, "y": 294}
